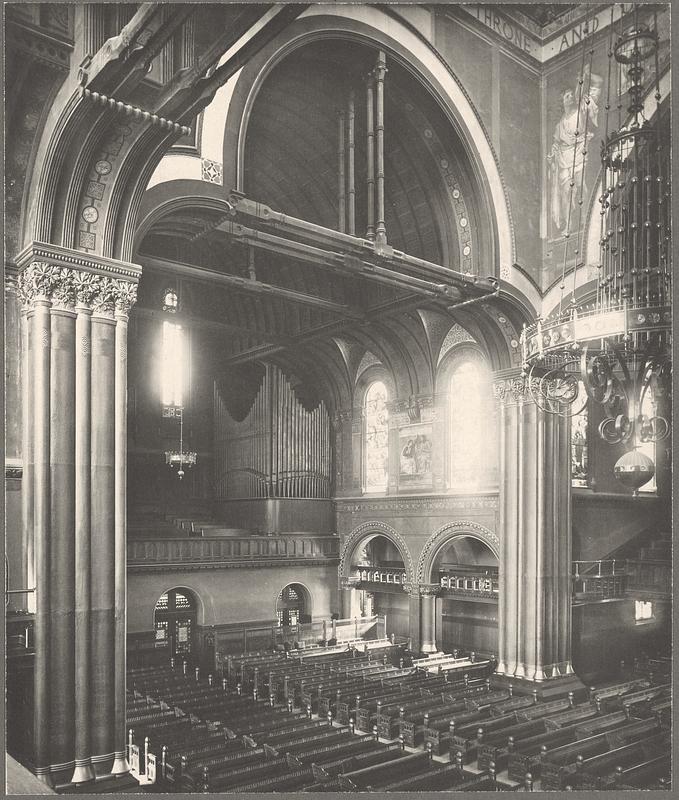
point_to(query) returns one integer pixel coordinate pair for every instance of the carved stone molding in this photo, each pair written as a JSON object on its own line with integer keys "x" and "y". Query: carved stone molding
{"x": 426, "y": 504}
{"x": 445, "y": 534}
{"x": 368, "y": 529}
{"x": 346, "y": 583}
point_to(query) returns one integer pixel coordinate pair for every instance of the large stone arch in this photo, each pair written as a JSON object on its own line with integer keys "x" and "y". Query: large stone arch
{"x": 362, "y": 23}
{"x": 444, "y": 535}
{"x": 369, "y": 529}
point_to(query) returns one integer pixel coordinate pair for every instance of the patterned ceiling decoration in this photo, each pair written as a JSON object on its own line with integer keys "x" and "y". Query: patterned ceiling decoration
{"x": 368, "y": 360}
{"x": 455, "y": 335}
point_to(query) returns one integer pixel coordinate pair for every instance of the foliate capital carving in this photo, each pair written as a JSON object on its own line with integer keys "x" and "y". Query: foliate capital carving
{"x": 125, "y": 296}
{"x": 86, "y": 288}
{"x": 514, "y": 390}
{"x": 64, "y": 293}
{"x": 348, "y": 583}
{"x": 105, "y": 299}
{"x": 421, "y": 589}
{"x": 65, "y": 288}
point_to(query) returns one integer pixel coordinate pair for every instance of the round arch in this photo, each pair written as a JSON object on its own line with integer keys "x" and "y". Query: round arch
{"x": 415, "y": 54}
{"x": 367, "y": 531}
{"x": 307, "y": 598}
{"x": 195, "y": 596}
{"x": 445, "y": 535}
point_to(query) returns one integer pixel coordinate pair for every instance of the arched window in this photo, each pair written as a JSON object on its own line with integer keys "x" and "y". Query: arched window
{"x": 175, "y": 621}
{"x": 472, "y": 425}
{"x": 376, "y": 437}
{"x": 291, "y": 608}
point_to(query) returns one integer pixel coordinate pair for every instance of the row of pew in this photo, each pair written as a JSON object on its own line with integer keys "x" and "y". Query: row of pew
{"x": 353, "y": 720}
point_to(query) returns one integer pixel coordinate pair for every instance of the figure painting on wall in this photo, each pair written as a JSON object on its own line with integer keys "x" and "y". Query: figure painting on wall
{"x": 568, "y": 156}
{"x": 415, "y": 455}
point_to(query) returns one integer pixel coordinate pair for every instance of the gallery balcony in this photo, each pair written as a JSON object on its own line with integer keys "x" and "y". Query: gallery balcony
{"x": 239, "y": 552}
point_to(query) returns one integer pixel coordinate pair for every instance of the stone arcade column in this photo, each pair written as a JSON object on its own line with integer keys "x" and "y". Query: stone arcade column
{"x": 75, "y": 309}
{"x": 428, "y": 593}
{"x": 346, "y": 586}
{"x": 535, "y": 520}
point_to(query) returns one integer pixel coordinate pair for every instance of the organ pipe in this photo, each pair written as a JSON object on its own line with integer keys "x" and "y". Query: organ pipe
{"x": 279, "y": 450}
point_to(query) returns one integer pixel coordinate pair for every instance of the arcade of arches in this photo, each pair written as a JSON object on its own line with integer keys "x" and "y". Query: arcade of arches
{"x": 267, "y": 268}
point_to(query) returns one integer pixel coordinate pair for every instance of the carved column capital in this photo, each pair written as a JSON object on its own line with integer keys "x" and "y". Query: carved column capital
{"x": 421, "y": 589}
{"x": 66, "y": 279}
{"x": 348, "y": 583}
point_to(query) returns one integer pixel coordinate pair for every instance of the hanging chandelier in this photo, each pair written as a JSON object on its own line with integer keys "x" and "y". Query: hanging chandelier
{"x": 613, "y": 347}
{"x": 180, "y": 458}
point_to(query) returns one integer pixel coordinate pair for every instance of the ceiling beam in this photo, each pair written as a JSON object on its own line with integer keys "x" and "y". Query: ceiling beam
{"x": 239, "y": 284}
{"x": 345, "y": 263}
{"x": 386, "y": 255}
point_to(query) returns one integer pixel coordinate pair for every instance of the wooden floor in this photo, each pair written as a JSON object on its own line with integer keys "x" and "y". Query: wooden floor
{"x": 20, "y": 781}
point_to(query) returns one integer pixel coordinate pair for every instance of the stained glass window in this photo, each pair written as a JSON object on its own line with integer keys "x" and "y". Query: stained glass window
{"x": 579, "y": 449}
{"x": 472, "y": 427}
{"x": 376, "y": 437}
{"x": 173, "y": 365}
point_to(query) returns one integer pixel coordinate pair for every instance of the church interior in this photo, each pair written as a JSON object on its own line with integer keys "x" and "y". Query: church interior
{"x": 338, "y": 397}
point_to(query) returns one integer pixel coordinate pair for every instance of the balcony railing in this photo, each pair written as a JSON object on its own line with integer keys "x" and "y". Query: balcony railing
{"x": 615, "y": 579}
{"x": 380, "y": 575}
{"x": 470, "y": 581}
{"x": 149, "y": 552}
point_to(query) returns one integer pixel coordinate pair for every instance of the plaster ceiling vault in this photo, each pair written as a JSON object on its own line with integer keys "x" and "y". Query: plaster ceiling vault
{"x": 291, "y": 165}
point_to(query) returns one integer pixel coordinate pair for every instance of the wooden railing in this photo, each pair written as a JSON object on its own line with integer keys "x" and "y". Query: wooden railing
{"x": 615, "y": 579}
{"x": 149, "y": 552}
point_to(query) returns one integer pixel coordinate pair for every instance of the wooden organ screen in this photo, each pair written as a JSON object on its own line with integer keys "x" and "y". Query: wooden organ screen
{"x": 278, "y": 450}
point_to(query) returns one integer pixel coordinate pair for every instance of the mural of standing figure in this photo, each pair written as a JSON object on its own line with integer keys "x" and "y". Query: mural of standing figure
{"x": 568, "y": 156}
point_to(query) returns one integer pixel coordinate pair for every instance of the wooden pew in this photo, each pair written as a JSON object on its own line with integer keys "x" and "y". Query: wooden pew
{"x": 558, "y": 765}
{"x": 375, "y": 776}
{"x": 377, "y": 754}
{"x": 598, "y": 772}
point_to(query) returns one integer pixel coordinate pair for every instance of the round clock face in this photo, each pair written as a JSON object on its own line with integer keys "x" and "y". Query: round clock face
{"x": 103, "y": 167}
{"x": 90, "y": 214}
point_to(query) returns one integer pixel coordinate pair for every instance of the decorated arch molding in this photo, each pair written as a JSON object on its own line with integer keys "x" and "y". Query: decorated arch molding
{"x": 369, "y": 529}
{"x": 444, "y": 535}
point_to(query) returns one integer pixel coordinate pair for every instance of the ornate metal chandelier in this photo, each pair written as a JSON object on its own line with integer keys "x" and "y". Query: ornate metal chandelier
{"x": 613, "y": 347}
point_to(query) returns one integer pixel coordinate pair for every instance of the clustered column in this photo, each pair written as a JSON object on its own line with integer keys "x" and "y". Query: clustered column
{"x": 535, "y": 519}
{"x": 75, "y": 311}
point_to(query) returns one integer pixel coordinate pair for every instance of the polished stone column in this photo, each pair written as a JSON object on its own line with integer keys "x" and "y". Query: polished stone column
{"x": 125, "y": 297}
{"x": 414, "y": 615}
{"x": 346, "y": 587}
{"x": 75, "y": 449}
{"x": 428, "y": 594}
{"x": 83, "y": 376}
{"x": 62, "y": 529}
{"x": 535, "y": 520}
{"x": 28, "y": 540}
{"x": 40, "y": 336}
{"x": 102, "y": 528}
